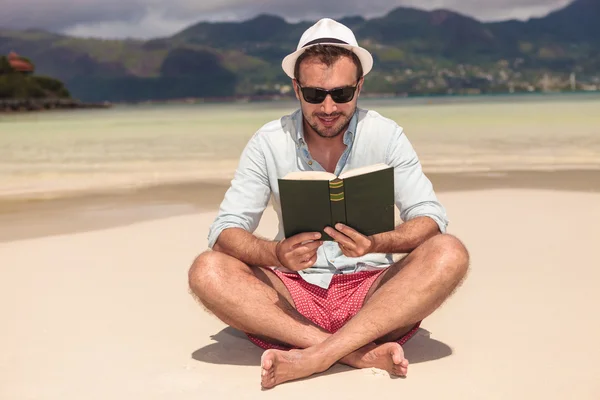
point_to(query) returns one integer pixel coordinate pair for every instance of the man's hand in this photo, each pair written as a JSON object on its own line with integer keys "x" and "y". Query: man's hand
{"x": 299, "y": 252}
{"x": 352, "y": 243}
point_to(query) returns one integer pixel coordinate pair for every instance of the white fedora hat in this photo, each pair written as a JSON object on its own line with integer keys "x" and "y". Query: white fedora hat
{"x": 328, "y": 31}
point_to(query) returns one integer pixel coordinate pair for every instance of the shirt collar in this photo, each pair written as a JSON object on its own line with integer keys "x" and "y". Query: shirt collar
{"x": 348, "y": 135}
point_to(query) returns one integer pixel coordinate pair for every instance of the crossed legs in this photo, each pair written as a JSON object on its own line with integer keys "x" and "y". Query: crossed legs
{"x": 255, "y": 301}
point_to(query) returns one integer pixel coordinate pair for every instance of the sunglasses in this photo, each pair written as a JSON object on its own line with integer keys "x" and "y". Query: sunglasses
{"x": 339, "y": 95}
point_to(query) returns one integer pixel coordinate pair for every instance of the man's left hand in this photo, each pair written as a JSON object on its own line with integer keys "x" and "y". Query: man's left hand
{"x": 351, "y": 242}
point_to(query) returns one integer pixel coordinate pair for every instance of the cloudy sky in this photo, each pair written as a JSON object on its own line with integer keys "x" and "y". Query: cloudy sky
{"x": 154, "y": 18}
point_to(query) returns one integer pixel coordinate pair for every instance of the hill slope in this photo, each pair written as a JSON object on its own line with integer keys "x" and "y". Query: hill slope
{"x": 415, "y": 52}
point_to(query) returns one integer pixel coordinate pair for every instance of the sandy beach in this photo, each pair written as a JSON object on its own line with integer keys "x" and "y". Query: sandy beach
{"x": 99, "y": 311}
{"x": 103, "y": 211}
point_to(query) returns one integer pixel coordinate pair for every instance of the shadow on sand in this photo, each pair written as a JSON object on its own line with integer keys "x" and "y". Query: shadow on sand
{"x": 232, "y": 347}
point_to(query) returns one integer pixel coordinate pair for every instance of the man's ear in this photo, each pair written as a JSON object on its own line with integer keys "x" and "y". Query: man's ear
{"x": 296, "y": 88}
{"x": 360, "y": 85}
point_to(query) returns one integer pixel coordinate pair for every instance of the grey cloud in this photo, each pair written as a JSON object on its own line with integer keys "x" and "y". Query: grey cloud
{"x": 311, "y": 9}
{"x": 57, "y": 14}
{"x": 147, "y": 18}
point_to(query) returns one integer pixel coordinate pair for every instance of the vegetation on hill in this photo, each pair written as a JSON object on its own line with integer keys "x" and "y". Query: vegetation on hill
{"x": 16, "y": 85}
{"x": 415, "y": 51}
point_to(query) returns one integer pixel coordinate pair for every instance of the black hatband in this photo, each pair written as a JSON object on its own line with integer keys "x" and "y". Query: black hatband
{"x": 324, "y": 40}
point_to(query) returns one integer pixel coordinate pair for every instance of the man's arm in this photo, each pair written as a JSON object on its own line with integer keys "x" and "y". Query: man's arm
{"x": 296, "y": 253}
{"x": 247, "y": 248}
{"x": 423, "y": 214}
{"x": 241, "y": 210}
{"x": 232, "y": 232}
{"x": 406, "y": 237}
{"x": 419, "y": 207}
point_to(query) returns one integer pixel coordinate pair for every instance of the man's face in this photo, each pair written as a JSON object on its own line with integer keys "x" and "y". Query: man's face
{"x": 328, "y": 119}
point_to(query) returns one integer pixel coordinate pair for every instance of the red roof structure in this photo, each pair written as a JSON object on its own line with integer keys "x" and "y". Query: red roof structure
{"x": 19, "y": 64}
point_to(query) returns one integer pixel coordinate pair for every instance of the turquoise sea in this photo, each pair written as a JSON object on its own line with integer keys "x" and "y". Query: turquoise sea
{"x": 52, "y": 153}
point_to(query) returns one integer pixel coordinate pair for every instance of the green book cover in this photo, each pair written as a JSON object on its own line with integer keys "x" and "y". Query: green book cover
{"x": 362, "y": 198}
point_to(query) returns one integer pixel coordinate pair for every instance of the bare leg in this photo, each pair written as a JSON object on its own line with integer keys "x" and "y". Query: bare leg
{"x": 425, "y": 279}
{"x": 385, "y": 353}
{"x": 391, "y": 272}
{"x": 254, "y": 300}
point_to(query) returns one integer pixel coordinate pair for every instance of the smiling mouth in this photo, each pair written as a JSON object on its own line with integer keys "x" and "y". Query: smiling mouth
{"x": 328, "y": 121}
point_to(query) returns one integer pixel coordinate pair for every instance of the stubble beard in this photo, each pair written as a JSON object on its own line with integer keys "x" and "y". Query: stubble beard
{"x": 334, "y": 131}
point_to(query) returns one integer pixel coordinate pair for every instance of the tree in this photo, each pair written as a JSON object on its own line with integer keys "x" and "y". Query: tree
{"x": 5, "y": 67}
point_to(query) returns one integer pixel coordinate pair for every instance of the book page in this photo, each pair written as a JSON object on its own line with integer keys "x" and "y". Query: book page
{"x": 310, "y": 176}
{"x": 363, "y": 170}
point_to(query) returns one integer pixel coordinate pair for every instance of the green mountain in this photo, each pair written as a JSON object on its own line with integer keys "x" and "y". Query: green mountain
{"x": 415, "y": 51}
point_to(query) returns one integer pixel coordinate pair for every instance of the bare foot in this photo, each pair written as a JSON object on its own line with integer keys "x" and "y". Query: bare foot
{"x": 281, "y": 366}
{"x": 387, "y": 356}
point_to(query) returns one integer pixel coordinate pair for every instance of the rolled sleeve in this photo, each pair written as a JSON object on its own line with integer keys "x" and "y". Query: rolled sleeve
{"x": 248, "y": 196}
{"x": 414, "y": 192}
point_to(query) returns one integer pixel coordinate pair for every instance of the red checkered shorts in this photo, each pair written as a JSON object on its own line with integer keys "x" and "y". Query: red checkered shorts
{"x": 329, "y": 308}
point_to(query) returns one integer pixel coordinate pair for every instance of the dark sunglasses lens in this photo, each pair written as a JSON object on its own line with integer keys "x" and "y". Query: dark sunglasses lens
{"x": 313, "y": 95}
{"x": 343, "y": 95}
{"x": 317, "y": 96}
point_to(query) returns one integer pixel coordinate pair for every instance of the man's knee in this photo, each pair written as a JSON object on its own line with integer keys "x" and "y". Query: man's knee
{"x": 206, "y": 272}
{"x": 451, "y": 255}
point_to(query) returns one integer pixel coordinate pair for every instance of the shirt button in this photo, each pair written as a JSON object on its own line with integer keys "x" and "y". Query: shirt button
{"x": 310, "y": 162}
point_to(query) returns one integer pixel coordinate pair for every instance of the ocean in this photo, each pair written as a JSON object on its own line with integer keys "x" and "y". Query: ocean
{"x": 53, "y": 153}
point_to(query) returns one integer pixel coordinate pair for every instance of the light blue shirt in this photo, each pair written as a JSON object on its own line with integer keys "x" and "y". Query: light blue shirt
{"x": 278, "y": 148}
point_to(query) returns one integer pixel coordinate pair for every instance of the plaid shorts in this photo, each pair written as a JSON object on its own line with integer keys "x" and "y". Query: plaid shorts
{"x": 329, "y": 308}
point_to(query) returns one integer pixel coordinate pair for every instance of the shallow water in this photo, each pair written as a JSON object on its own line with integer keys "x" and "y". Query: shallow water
{"x": 53, "y": 152}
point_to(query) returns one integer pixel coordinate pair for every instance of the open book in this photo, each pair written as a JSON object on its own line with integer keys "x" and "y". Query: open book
{"x": 362, "y": 198}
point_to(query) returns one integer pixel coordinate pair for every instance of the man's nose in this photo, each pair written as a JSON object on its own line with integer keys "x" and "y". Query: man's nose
{"x": 328, "y": 105}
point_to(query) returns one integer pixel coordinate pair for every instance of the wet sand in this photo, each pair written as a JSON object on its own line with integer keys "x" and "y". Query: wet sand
{"x": 29, "y": 217}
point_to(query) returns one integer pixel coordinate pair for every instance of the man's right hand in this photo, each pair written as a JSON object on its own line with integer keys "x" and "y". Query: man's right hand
{"x": 299, "y": 252}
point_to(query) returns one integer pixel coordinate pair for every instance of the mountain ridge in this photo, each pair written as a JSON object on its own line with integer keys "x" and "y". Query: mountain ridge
{"x": 415, "y": 51}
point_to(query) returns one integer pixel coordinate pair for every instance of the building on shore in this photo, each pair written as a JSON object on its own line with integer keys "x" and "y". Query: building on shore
{"x": 20, "y": 64}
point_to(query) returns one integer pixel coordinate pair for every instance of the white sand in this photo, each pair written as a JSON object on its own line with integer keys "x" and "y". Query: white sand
{"x": 106, "y": 314}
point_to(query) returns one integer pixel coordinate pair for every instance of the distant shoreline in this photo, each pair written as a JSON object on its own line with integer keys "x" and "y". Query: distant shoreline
{"x": 31, "y": 215}
{"x": 364, "y": 96}
{"x": 30, "y": 105}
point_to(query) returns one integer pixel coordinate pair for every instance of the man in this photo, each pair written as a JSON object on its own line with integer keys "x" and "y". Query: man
{"x": 313, "y": 303}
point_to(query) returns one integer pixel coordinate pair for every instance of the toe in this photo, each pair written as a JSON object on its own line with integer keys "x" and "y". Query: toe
{"x": 400, "y": 369}
{"x": 269, "y": 382}
{"x": 266, "y": 361}
{"x": 397, "y": 354}
{"x": 265, "y": 382}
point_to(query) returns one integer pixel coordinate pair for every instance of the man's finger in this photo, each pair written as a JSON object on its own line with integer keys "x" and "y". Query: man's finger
{"x": 340, "y": 238}
{"x": 351, "y": 233}
{"x": 304, "y": 262}
{"x": 310, "y": 262}
{"x": 335, "y": 235}
{"x": 303, "y": 237}
{"x": 307, "y": 248}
